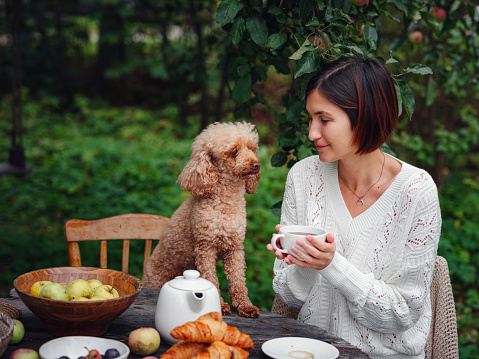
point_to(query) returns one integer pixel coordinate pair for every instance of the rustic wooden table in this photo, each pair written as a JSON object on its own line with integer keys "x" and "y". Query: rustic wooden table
{"x": 142, "y": 314}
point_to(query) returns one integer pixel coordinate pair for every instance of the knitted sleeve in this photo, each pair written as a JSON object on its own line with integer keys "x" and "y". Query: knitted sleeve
{"x": 292, "y": 283}
{"x": 396, "y": 302}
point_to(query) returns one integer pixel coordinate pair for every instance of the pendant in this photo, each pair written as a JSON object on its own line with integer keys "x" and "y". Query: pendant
{"x": 360, "y": 202}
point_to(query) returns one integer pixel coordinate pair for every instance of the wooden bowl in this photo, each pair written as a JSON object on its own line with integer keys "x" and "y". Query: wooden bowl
{"x": 67, "y": 318}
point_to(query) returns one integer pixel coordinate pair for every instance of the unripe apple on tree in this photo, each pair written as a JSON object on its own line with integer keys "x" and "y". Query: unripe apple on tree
{"x": 416, "y": 37}
{"x": 439, "y": 13}
{"x": 361, "y": 2}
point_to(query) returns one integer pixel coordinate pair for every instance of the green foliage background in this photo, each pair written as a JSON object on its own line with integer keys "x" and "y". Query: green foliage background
{"x": 103, "y": 161}
{"x": 115, "y": 91}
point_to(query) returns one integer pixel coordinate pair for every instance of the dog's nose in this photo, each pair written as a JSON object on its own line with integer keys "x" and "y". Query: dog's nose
{"x": 255, "y": 166}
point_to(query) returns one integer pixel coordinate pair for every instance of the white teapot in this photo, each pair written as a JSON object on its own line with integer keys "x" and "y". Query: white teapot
{"x": 184, "y": 299}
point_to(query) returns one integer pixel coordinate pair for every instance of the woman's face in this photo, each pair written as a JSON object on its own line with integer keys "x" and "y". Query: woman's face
{"x": 329, "y": 129}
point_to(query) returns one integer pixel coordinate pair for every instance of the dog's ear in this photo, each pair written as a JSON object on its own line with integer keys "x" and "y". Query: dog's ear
{"x": 252, "y": 183}
{"x": 200, "y": 175}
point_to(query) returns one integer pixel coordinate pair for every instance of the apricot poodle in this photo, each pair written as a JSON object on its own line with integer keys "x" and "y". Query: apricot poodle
{"x": 211, "y": 224}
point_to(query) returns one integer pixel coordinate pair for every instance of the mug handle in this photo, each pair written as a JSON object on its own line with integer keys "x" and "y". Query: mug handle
{"x": 274, "y": 242}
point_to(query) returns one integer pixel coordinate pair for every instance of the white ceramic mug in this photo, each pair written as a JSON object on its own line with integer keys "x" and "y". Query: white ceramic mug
{"x": 289, "y": 235}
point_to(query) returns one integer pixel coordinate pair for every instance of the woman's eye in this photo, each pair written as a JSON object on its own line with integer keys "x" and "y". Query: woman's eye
{"x": 324, "y": 121}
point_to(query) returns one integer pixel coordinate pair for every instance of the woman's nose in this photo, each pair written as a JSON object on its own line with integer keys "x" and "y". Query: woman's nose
{"x": 314, "y": 131}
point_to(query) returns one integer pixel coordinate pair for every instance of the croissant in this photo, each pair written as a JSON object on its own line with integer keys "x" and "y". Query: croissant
{"x": 210, "y": 328}
{"x": 184, "y": 350}
{"x": 220, "y": 350}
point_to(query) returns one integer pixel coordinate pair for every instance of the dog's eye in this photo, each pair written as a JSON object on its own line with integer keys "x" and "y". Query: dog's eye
{"x": 234, "y": 153}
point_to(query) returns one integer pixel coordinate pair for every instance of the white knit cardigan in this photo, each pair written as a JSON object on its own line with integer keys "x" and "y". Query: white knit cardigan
{"x": 376, "y": 291}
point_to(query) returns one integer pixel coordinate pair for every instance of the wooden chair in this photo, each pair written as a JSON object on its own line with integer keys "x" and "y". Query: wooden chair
{"x": 124, "y": 227}
{"x": 442, "y": 341}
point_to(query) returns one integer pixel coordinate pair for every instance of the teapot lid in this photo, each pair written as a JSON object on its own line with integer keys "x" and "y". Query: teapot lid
{"x": 190, "y": 281}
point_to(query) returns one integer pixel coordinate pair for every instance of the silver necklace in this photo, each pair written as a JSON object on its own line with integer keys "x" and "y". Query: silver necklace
{"x": 360, "y": 201}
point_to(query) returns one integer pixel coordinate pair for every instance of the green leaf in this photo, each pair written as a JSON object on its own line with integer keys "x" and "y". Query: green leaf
{"x": 237, "y": 31}
{"x": 431, "y": 91}
{"x": 227, "y": 11}
{"x": 355, "y": 49}
{"x": 371, "y": 36}
{"x": 308, "y": 63}
{"x": 307, "y": 46}
{"x": 314, "y": 22}
{"x": 399, "y": 97}
{"x": 407, "y": 97}
{"x": 257, "y": 28}
{"x": 305, "y": 9}
{"x": 294, "y": 110}
{"x": 243, "y": 70}
{"x": 274, "y": 10}
{"x": 391, "y": 60}
{"x": 391, "y": 16}
{"x": 242, "y": 90}
{"x": 344, "y": 5}
{"x": 399, "y": 5}
{"x": 279, "y": 159}
{"x": 419, "y": 69}
{"x": 340, "y": 14}
{"x": 275, "y": 41}
{"x": 304, "y": 152}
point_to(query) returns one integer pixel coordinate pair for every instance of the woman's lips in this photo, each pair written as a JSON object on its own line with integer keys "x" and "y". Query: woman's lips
{"x": 319, "y": 148}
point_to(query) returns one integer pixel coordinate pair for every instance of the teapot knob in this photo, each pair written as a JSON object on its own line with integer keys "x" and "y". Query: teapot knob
{"x": 191, "y": 274}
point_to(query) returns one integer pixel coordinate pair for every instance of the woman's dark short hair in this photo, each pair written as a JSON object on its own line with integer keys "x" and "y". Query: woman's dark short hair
{"x": 365, "y": 90}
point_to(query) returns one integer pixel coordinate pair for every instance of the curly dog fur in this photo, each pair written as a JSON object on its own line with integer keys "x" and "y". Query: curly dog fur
{"x": 211, "y": 224}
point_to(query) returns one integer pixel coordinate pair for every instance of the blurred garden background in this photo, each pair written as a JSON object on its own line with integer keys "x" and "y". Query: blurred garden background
{"x": 100, "y": 101}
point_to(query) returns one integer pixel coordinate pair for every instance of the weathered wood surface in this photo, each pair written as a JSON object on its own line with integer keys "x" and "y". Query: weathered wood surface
{"x": 142, "y": 314}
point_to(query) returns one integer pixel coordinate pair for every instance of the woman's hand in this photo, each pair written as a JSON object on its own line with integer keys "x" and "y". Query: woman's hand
{"x": 319, "y": 254}
{"x": 278, "y": 254}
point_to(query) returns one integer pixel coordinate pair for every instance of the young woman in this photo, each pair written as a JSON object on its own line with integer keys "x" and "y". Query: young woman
{"x": 369, "y": 283}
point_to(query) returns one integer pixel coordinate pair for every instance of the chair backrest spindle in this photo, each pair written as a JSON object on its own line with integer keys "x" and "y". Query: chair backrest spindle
{"x": 124, "y": 227}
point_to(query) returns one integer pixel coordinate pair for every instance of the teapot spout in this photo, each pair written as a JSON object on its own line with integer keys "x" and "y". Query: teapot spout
{"x": 197, "y": 301}
{"x": 199, "y": 295}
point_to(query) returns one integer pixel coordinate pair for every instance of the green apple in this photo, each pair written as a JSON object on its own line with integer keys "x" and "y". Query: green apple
{"x": 79, "y": 288}
{"x": 97, "y": 297}
{"x": 18, "y": 332}
{"x": 54, "y": 291}
{"x": 24, "y": 354}
{"x": 37, "y": 287}
{"x": 94, "y": 283}
{"x": 80, "y": 299}
{"x": 106, "y": 291}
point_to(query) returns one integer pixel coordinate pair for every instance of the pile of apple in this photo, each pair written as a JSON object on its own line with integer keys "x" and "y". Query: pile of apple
{"x": 76, "y": 290}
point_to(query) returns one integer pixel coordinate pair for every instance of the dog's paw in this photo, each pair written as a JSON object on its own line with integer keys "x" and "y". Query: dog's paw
{"x": 249, "y": 311}
{"x": 225, "y": 308}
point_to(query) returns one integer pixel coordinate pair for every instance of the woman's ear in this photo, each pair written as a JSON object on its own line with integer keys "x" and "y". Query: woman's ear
{"x": 200, "y": 175}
